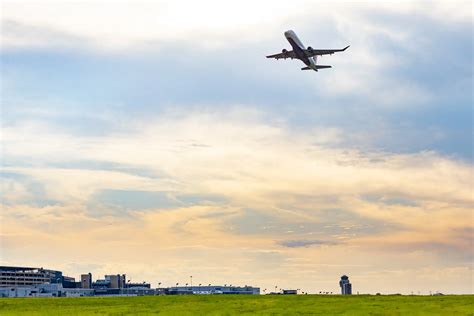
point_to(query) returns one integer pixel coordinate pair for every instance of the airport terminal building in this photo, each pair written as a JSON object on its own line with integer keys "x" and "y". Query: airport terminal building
{"x": 212, "y": 289}
{"x": 39, "y": 282}
{"x": 27, "y": 276}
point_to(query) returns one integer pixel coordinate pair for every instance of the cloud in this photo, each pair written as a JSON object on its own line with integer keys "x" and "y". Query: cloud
{"x": 408, "y": 108}
{"x": 305, "y": 243}
{"x": 249, "y": 164}
{"x": 20, "y": 35}
{"x": 208, "y": 24}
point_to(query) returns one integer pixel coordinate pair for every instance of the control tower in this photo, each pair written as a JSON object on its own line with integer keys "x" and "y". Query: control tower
{"x": 346, "y": 286}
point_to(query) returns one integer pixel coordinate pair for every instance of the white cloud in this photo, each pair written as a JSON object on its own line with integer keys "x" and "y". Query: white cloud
{"x": 253, "y": 164}
{"x": 122, "y": 24}
{"x": 211, "y": 24}
{"x": 363, "y": 71}
{"x": 241, "y": 157}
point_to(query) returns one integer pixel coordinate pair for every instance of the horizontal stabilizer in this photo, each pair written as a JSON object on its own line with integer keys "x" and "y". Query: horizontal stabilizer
{"x": 322, "y": 66}
{"x": 316, "y": 67}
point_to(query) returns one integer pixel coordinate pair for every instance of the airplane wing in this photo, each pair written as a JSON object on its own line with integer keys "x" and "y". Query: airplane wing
{"x": 319, "y": 52}
{"x": 285, "y": 54}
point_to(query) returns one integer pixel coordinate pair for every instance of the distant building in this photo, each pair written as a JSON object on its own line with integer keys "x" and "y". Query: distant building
{"x": 116, "y": 281}
{"x": 69, "y": 282}
{"x": 76, "y": 292}
{"x": 161, "y": 291}
{"x": 36, "y": 290}
{"x": 116, "y": 284}
{"x": 212, "y": 289}
{"x": 346, "y": 286}
{"x": 39, "y": 282}
{"x": 44, "y": 290}
{"x": 130, "y": 285}
{"x": 138, "y": 291}
{"x": 290, "y": 291}
{"x": 28, "y": 276}
{"x": 86, "y": 281}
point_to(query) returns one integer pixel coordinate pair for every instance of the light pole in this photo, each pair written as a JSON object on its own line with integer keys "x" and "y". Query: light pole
{"x": 191, "y": 280}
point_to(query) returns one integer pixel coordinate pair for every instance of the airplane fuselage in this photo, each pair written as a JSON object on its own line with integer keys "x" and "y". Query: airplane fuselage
{"x": 299, "y": 48}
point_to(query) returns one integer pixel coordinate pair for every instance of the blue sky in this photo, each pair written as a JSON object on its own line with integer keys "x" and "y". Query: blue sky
{"x": 153, "y": 120}
{"x": 428, "y": 71}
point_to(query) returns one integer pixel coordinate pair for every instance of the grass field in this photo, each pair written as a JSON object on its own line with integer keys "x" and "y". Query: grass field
{"x": 242, "y": 305}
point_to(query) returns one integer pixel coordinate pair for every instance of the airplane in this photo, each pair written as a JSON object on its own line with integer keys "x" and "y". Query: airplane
{"x": 306, "y": 55}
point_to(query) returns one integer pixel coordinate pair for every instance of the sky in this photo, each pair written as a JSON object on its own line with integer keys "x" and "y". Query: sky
{"x": 155, "y": 139}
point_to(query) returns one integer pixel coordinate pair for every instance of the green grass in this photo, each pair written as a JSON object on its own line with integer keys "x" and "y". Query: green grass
{"x": 242, "y": 305}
